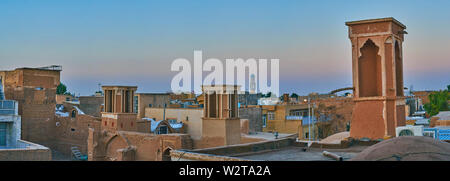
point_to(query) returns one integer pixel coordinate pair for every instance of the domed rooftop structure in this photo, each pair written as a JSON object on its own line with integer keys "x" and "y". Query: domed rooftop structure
{"x": 406, "y": 148}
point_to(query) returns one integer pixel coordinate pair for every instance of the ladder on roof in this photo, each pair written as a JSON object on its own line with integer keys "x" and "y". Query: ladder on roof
{"x": 77, "y": 154}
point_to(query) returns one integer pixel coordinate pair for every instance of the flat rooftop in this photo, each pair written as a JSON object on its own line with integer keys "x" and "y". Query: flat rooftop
{"x": 268, "y": 136}
{"x": 294, "y": 153}
{"x": 388, "y": 19}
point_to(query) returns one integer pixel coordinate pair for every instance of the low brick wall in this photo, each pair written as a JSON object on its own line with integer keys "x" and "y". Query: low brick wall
{"x": 248, "y": 147}
{"x": 226, "y": 153}
{"x": 180, "y": 155}
{"x": 344, "y": 144}
{"x": 28, "y": 152}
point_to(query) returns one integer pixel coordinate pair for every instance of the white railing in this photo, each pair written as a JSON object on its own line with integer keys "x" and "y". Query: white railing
{"x": 294, "y": 118}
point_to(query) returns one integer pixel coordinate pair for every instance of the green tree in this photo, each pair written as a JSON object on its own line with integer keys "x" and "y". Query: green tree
{"x": 438, "y": 102}
{"x": 61, "y": 89}
{"x": 269, "y": 94}
{"x": 294, "y": 95}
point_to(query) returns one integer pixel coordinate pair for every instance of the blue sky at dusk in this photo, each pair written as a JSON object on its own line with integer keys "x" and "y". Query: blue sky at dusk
{"x": 134, "y": 42}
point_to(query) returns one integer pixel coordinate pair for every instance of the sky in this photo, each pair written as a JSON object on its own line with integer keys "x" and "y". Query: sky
{"x": 134, "y": 42}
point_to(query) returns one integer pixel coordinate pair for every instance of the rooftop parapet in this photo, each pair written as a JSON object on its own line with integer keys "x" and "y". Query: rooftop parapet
{"x": 8, "y": 107}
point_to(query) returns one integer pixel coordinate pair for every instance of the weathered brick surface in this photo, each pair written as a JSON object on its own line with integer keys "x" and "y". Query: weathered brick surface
{"x": 35, "y": 90}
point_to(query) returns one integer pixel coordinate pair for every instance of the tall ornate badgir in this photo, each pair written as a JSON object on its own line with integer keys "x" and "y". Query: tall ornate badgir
{"x": 377, "y": 61}
{"x": 220, "y": 122}
{"x": 119, "y": 114}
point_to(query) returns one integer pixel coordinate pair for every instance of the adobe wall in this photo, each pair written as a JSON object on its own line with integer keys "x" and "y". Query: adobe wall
{"x": 254, "y": 115}
{"x": 26, "y": 151}
{"x": 124, "y": 145}
{"x": 284, "y": 126}
{"x": 156, "y": 100}
{"x": 225, "y": 153}
{"x": 339, "y": 110}
{"x": 25, "y": 155}
{"x": 91, "y": 105}
{"x": 119, "y": 121}
{"x": 70, "y": 132}
{"x": 35, "y": 90}
{"x": 373, "y": 126}
{"x": 60, "y": 99}
{"x": 193, "y": 123}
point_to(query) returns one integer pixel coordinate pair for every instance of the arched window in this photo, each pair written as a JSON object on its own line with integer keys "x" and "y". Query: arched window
{"x": 406, "y": 133}
{"x": 73, "y": 114}
{"x": 166, "y": 155}
{"x": 369, "y": 70}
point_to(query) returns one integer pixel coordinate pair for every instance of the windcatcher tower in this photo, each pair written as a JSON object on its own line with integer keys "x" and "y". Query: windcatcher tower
{"x": 377, "y": 61}
{"x": 220, "y": 122}
{"x": 119, "y": 114}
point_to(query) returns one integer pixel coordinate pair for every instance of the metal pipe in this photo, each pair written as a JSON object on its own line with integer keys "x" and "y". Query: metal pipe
{"x": 312, "y": 117}
{"x": 164, "y": 114}
{"x": 309, "y": 119}
{"x": 332, "y": 155}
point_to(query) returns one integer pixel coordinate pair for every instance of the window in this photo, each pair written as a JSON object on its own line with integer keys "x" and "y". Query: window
{"x": 127, "y": 102}
{"x": 2, "y": 134}
{"x": 73, "y": 115}
{"x": 271, "y": 115}
{"x": 264, "y": 119}
{"x": 162, "y": 130}
{"x": 172, "y": 121}
{"x": 136, "y": 105}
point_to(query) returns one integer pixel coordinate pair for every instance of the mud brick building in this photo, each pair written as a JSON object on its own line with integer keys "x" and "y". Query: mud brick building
{"x": 35, "y": 90}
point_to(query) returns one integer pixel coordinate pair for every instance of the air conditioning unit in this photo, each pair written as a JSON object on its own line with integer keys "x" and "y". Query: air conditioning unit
{"x": 409, "y": 130}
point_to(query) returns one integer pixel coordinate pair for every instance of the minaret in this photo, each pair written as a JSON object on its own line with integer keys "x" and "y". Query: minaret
{"x": 377, "y": 61}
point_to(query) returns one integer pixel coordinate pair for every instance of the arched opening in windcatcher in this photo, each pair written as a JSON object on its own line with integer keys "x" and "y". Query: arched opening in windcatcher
{"x": 369, "y": 70}
{"x": 398, "y": 70}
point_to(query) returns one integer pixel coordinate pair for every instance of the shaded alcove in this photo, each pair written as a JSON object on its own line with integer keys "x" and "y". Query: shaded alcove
{"x": 369, "y": 68}
{"x": 398, "y": 70}
{"x": 166, "y": 155}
